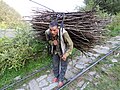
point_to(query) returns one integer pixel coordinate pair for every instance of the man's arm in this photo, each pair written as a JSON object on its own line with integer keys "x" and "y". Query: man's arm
{"x": 48, "y": 37}
{"x": 69, "y": 43}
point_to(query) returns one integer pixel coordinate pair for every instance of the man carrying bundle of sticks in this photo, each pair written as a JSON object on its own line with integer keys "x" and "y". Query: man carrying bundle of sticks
{"x": 61, "y": 48}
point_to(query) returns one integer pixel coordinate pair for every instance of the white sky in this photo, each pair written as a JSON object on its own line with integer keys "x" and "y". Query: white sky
{"x": 24, "y": 7}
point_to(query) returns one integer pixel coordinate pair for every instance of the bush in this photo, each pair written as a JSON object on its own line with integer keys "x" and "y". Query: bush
{"x": 16, "y": 52}
{"x": 114, "y": 27}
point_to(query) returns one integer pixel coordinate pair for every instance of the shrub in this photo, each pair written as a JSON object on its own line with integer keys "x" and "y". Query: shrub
{"x": 114, "y": 27}
{"x": 16, "y": 52}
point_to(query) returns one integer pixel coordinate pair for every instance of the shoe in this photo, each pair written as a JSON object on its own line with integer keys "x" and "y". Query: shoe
{"x": 60, "y": 84}
{"x": 55, "y": 80}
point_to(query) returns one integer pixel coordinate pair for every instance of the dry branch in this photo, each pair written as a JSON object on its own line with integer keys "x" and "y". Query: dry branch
{"x": 83, "y": 27}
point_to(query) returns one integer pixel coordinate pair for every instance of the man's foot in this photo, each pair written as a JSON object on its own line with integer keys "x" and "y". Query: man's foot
{"x": 55, "y": 80}
{"x": 60, "y": 84}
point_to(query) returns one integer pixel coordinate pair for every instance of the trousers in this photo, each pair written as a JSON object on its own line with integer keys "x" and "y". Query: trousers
{"x": 59, "y": 67}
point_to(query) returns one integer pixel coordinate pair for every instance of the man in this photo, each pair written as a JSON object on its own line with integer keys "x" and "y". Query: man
{"x": 61, "y": 48}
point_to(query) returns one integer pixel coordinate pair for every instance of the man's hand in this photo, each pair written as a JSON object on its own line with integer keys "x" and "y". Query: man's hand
{"x": 64, "y": 57}
{"x": 55, "y": 42}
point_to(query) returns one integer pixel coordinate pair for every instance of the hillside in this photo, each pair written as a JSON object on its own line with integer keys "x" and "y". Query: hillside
{"x": 9, "y": 18}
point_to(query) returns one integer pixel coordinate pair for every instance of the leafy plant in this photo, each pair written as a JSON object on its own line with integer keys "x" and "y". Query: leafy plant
{"x": 110, "y": 6}
{"x": 16, "y": 52}
{"x": 114, "y": 27}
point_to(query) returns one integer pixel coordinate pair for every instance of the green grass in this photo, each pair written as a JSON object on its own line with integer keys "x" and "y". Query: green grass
{"x": 114, "y": 27}
{"x": 109, "y": 80}
{"x": 30, "y": 67}
{"x": 115, "y": 31}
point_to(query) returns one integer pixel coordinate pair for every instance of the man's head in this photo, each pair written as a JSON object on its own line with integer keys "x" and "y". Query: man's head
{"x": 54, "y": 28}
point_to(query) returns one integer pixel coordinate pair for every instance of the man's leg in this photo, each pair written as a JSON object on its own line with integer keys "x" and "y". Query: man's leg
{"x": 56, "y": 61}
{"x": 63, "y": 70}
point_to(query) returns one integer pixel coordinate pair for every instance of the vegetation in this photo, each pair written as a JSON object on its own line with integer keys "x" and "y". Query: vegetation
{"x": 25, "y": 54}
{"x": 108, "y": 80}
{"x": 9, "y": 18}
{"x": 21, "y": 53}
{"x": 110, "y": 6}
{"x": 109, "y": 9}
{"x": 114, "y": 26}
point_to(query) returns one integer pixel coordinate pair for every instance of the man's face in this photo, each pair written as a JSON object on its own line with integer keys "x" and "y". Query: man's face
{"x": 54, "y": 31}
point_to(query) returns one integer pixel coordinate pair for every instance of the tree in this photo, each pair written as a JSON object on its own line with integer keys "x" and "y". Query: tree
{"x": 109, "y": 6}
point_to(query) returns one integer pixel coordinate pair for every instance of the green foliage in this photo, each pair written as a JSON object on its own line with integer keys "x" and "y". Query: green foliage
{"x": 16, "y": 52}
{"x": 109, "y": 6}
{"x": 108, "y": 80}
{"x": 9, "y": 18}
{"x": 89, "y": 4}
{"x": 114, "y": 27}
{"x": 30, "y": 67}
{"x": 23, "y": 54}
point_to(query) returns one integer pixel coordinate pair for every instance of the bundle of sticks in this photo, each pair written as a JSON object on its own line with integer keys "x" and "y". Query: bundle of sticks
{"x": 84, "y": 28}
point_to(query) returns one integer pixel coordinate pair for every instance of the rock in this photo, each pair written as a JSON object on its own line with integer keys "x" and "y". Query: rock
{"x": 93, "y": 55}
{"x": 89, "y": 78}
{"x": 50, "y": 78}
{"x": 48, "y": 71}
{"x": 96, "y": 83}
{"x": 69, "y": 74}
{"x": 103, "y": 69}
{"x": 92, "y": 73}
{"x": 53, "y": 85}
{"x": 102, "y": 50}
{"x": 97, "y": 76}
{"x": 79, "y": 84}
{"x": 69, "y": 67}
{"x": 73, "y": 62}
{"x": 92, "y": 59}
{"x": 43, "y": 83}
{"x": 80, "y": 66}
{"x": 24, "y": 85}
{"x": 113, "y": 43}
{"x": 84, "y": 85}
{"x": 33, "y": 85}
{"x": 117, "y": 38}
{"x": 81, "y": 62}
{"x": 114, "y": 60}
{"x": 110, "y": 65}
{"x": 96, "y": 55}
{"x": 86, "y": 65}
{"x": 27, "y": 87}
{"x": 50, "y": 87}
{"x": 17, "y": 78}
{"x": 20, "y": 89}
{"x": 40, "y": 78}
{"x": 84, "y": 60}
{"x": 77, "y": 57}
{"x": 45, "y": 88}
{"x": 117, "y": 55}
{"x": 75, "y": 70}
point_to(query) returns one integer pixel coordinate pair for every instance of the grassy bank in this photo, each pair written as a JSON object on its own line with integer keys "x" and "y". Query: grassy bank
{"x": 114, "y": 26}
{"x": 30, "y": 67}
{"x": 108, "y": 79}
{"x": 21, "y": 56}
